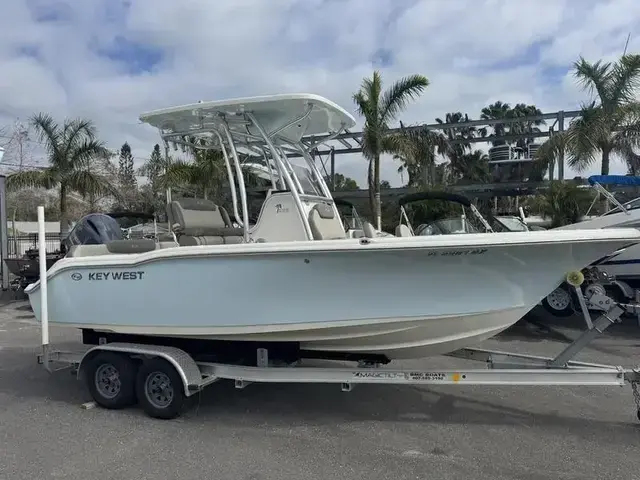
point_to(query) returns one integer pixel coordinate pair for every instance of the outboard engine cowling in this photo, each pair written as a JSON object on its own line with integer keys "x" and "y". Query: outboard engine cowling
{"x": 93, "y": 229}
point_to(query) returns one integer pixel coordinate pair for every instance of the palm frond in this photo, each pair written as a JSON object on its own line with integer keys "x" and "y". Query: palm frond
{"x": 48, "y": 133}
{"x": 626, "y": 140}
{"x": 88, "y": 183}
{"x": 367, "y": 98}
{"x": 362, "y": 105}
{"x": 178, "y": 174}
{"x": 593, "y": 77}
{"x": 81, "y": 156}
{"x": 586, "y": 135}
{"x": 398, "y": 95}
{"x": 551, "y": 150}
{"x": 46, "y": 178}
{"x": 625, "y": 80}
{"x": 76, "y": 133}
{"x": 627, "y": 114}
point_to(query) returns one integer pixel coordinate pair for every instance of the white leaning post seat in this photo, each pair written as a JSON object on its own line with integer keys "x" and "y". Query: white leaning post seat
{"x": 324, "y": 223}
{"x": 197, "y": 221}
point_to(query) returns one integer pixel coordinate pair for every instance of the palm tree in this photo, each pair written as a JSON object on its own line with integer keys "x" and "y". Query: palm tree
{"x": 417, "y": 150}
{"x": 609, "y": 124}
{"x": 521, "y": 110}
{"x": 459, "y": 133}
{"x": 563, "y": 202}
{"x": 497, "y": 111}
{"x": 379, "y": 108}
{"x": 464, "y": 164}
{"x": 203, "y": 177}
{"x": 472, "y": 167}
{"x": 75, "y": 157}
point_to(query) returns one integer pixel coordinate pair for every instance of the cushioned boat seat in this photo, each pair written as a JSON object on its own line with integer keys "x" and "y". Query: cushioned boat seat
{"x": 324, "y": 224}
{"x": 197, "y": 221}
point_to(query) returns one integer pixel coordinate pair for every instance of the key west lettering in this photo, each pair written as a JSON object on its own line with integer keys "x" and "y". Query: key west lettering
{"x": 115, "y": 275}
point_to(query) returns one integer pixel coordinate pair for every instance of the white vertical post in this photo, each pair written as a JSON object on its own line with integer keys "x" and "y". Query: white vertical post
{"x": 42, "y": 257}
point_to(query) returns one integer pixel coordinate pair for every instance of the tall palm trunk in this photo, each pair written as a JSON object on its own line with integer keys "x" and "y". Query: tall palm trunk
{"x": 378, "y": 210}
{"x": 604, "y": 169}
{"x": 372, "y": 203}
{"x": 64, "y": 220}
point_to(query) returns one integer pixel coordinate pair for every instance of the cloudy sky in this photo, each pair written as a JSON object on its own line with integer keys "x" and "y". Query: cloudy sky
{"x": 110, "y": 60}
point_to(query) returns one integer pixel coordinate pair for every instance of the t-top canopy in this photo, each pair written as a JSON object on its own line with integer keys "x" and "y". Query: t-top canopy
{"x": 272, "y": 112}
{"x": 614, "y": 180}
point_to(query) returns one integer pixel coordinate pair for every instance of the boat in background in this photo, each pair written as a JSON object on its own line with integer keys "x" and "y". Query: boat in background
{"x": 25, "y": 268}
{"x": 293, "y": 277}
{"x": 456, "y": 224}
{"x": 616, "y": 275}
{"x": 624, "y": 266}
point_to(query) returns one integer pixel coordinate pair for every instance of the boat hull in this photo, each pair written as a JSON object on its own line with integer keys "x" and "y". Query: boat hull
{"x": 626, "y": 265}
{"x": 393, "y": 338}
{"x": 404, "y": 298}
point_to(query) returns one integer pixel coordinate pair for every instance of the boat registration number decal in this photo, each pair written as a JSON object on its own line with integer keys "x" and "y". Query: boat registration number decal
{"x": 457, "y": 253}
{"x": 135, "y": 275}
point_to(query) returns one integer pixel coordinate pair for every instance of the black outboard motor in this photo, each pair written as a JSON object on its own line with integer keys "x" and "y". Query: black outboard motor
{"x": 93, "y": 229}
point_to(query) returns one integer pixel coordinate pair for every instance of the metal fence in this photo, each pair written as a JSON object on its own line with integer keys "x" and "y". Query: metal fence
{"x": 19, "y": 244}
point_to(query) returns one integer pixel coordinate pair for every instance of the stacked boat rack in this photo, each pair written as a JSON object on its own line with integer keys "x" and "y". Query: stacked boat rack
{"x": 160, "y": 377}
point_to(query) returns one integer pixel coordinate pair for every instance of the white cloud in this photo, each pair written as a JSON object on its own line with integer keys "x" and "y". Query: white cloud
{"x": 69, "y": 58}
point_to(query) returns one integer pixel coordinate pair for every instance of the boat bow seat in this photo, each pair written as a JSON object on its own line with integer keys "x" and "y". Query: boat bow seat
{"x": 197, "y": 221}
{"x": 324, "y": 223}
{"x": 114, "y": 247}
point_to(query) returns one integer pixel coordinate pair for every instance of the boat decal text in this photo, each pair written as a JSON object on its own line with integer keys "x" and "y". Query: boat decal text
{"x": 408, "y": 376}
{"x": 115, "y": 275}
{"x": 426, "y": 376}
{"x": 457, "y": 253}
{"x": 381, "y": 375}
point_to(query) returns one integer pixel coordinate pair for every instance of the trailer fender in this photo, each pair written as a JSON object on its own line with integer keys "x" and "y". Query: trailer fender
{"x": 184, "y": 364}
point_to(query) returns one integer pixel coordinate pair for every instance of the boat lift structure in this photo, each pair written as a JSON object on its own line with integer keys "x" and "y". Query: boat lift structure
{"x": 160, "y": 377}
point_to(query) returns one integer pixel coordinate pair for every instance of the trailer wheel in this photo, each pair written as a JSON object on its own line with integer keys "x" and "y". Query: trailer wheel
{"x": 111, "y": 380}
{"x": 559, "y": 302}
{"x": 159, "y": 389}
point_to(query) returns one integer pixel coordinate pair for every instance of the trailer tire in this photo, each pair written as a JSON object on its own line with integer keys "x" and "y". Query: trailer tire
{"x": 111, "y": 380}
{"x": 159, "y": 389}
{"x": 559, "y": 302}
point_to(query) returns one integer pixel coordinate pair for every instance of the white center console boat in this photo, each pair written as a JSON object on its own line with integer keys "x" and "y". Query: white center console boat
{"x": 294, "y": 278}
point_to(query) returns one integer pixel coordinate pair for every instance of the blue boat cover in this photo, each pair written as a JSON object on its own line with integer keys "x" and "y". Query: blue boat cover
{"x": 614, "y": 180}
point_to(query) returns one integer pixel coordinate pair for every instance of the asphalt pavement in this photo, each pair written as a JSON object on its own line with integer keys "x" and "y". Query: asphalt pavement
{"x": 314, "y": 432}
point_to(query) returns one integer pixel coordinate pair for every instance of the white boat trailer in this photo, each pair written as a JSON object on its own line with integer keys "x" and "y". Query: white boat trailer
{"x": 160, "y": 378}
